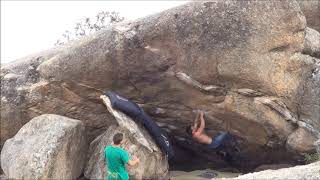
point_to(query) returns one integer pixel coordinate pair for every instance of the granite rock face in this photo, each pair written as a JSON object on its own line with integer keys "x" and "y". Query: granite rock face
{"x": 247, "y": 63}
{"x": 47, "y": 147}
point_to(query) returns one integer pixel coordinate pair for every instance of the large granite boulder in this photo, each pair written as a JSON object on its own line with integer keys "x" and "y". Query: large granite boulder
{"x": 47, "y": 147}
{"x": 153, "y": 163}
{"x": 243, "y": 62}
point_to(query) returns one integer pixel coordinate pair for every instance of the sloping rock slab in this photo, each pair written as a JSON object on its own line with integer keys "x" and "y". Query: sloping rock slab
{"x": 310, "y": 171}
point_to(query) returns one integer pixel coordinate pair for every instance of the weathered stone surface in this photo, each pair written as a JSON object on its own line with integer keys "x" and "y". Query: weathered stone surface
{"x": 310, "y": 171}
{"x": 47, "y": 147}
{"x": 242, "y": 62}
{"x": 301, "y": 140}
{"x": 311, "y": 9}
{"x": 309, "y": 106}
{"x": 22, "y": 102}
{"x": 153, "y": 163}
{"x": 317, "y": 144}
{"x": 312, "y": 42}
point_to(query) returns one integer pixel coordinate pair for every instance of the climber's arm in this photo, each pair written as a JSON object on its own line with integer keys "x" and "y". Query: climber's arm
{"x": 202, "y": 123}
{"x": 195, "y": 122}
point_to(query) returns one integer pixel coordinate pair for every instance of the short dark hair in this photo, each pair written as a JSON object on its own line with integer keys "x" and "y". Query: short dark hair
{"x": 117, "y": 138}
{"x": 189, "y": 130}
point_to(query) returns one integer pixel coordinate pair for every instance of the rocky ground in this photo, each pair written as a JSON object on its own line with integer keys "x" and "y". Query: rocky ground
{"x": 310, "y": 171}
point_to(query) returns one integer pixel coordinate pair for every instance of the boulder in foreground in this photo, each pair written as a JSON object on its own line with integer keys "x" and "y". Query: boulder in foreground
{"x": 47, "y": 147}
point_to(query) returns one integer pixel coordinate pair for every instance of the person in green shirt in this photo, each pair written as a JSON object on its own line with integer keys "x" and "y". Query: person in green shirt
{"x": 116, "y": 159}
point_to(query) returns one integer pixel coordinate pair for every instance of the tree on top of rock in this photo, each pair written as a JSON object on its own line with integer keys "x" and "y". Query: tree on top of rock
{"x": 88, "y": 26}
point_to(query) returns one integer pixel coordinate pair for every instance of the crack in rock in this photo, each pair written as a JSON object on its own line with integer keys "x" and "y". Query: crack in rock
{"x": 249, "y": 92}
{"x": 279, "y": 107}
{"x": 194, "y": 83}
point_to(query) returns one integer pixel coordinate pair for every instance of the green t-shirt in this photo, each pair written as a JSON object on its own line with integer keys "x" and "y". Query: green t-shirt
{"x": 116, "y": 159}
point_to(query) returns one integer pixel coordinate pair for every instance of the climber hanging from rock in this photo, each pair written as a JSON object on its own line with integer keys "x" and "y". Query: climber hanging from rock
{"x": 197, "y": 131}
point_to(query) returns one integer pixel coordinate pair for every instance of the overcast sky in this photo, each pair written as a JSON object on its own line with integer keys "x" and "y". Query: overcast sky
{"x": 32, "y": 26}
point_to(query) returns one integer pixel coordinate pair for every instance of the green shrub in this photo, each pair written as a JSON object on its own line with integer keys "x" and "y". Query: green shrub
{"x": 311, "y": 157}
{"x": 88, "y": 25}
